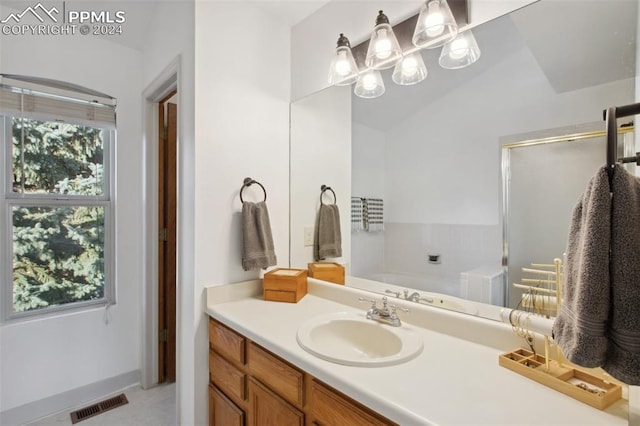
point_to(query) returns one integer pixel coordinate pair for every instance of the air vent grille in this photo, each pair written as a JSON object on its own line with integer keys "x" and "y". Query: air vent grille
{"x": 98, "y": 408}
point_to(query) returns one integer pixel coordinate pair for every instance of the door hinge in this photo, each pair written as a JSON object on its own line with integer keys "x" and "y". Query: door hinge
{"x": 162, "y": 335}
{"x": 162, "y": 234}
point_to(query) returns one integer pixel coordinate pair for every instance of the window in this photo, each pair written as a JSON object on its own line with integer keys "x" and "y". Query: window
{"x": 58, "y": 202}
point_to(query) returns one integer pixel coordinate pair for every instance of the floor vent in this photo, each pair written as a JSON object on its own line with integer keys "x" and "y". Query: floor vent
{"x": 98, "y": 408}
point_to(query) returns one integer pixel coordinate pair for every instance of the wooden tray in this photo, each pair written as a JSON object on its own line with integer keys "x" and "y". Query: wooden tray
{"x": 576, "y": 383}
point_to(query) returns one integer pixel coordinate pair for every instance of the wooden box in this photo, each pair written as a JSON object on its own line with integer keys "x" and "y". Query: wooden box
{"x": 327, "y": 271}
{"x": 576, "y": 383}
{"x": 285, "y": 285}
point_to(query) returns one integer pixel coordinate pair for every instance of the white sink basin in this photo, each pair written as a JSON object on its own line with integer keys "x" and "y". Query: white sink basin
{"x": 352, "y": 339}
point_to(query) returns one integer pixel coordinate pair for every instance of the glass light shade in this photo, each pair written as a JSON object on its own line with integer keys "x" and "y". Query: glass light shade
{"x": 410, "y": 70}
{"x": 461, "y": 52}
{"x": 343, "y": 70}
{"x": 369, "y": 85}
{"x": 384, "y": 51}
{"x": 436, "y": 25}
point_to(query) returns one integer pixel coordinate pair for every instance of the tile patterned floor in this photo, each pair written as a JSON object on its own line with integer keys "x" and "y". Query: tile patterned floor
{"x": 153, "y": 407}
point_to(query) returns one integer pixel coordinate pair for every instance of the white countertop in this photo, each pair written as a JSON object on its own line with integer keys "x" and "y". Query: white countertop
{"x": 456, "y": 380}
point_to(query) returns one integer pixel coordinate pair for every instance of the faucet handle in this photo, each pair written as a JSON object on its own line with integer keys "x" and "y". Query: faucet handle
{"x": 394, "y": 307}
{"x": 364, "y": 299}
{"x": 395, "y": 293}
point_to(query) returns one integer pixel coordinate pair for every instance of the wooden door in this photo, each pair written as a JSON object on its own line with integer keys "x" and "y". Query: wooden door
{"x": 167, "y": 200}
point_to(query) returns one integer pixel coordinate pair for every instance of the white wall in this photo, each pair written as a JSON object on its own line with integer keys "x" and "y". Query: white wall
{"x": 321, "y": 155}
{"x": 314, "y": 39}
{"x": 48, "y": 356}
{"x": 461, "y": 151}
{"x": 367, "y": 179}
{"x": 242, "y": 69}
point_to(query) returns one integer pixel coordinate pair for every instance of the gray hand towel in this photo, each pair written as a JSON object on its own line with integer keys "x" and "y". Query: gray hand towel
{"x": 328, "y": 240}
{"x": 623, "y": 355}
{"x": 257, "y": 249}
{"x": 580, "y": 328}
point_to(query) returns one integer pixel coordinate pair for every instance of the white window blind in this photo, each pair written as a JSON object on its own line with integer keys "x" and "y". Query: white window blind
{"x": 26, "y": 101}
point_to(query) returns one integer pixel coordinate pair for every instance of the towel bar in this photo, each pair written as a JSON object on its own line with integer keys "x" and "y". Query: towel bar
{"x": 324, "y": 188}
{"x": 248, "y": 182}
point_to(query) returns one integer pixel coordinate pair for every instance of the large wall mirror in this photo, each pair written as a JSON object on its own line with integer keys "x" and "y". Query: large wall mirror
{"x": 433, "y": 151}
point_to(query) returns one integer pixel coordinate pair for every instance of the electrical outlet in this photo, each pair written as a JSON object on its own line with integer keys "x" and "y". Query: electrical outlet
{"x": 308, "y": 236}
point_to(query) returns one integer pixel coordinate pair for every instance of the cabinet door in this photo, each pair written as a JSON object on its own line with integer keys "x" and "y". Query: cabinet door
{"x": 331, "y": 408}
{"x": 268, "y": 409}
{"x": 223, "y": 412}
{"x": 284, "y": 379}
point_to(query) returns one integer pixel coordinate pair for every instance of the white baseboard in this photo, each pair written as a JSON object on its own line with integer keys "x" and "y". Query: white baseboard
{"x": 68, "y": 400}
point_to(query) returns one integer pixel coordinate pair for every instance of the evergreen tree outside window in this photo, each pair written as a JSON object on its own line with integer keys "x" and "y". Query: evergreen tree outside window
{"x": 58, "y": 202}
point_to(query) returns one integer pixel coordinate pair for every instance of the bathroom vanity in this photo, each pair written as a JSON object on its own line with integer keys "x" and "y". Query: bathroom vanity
{"x": 260, "y": 375}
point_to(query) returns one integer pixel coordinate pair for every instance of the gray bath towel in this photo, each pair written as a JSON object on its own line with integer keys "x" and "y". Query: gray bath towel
{"x": 599, "y": 324}
{"x": 328, "y": 240}
{"x": 580, "y": 328}
{"x": 257, "y": 249}
{"x": 623, "y": 355}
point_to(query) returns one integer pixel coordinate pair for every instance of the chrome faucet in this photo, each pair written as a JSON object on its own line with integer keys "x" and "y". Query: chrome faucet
{"x": 416, "y": 297}
{"x": 387, "y": 314}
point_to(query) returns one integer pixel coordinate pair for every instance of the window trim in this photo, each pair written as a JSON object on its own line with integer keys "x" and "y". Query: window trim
{"x": 12, "y": 199}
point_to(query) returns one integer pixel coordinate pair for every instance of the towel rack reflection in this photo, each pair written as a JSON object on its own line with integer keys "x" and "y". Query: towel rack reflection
{"x": 325, "y": 188}
{"x": 610, "y": 116}
{"x": 248, "y": 182}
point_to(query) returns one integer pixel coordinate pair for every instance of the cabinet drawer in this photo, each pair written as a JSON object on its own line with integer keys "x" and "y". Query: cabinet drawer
{"x": 222, "y": 411}
{"x": 333, "y": 409}
{"x": 268, "y": 409}
{"x": 226, "y": 376}
{"x": 226, "y": 342}
{"x": 281, "y": 377}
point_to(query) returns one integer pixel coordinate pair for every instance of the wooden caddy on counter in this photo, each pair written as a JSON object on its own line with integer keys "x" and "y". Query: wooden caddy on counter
{"x": 575, "y": 383}
{"x": 285, "y": 285}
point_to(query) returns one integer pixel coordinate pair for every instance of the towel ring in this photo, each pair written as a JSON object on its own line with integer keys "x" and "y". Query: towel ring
{"x": 324, "y": 188}
{"x": 248, "y": 182}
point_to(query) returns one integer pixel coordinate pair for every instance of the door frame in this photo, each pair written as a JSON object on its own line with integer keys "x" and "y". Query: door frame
{"x": 160, "y": 87}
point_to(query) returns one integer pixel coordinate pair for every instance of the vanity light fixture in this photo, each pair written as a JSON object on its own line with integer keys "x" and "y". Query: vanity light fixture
{"x": 384, "y": 51}
{"x": 343, "y": 70}
{"x": 410, "y": 70}
{"x": 369, "y": 85}
{"x": 436, "y": 25}
{"x": 460, "y": 52}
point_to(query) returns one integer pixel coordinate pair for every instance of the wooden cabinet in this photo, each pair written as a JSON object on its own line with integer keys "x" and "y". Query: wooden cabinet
{"x": 251, "y": 386}
{"x": 330, "y": 407}
{"x": 266, "y": 408}
{"x": 286, "y": 380}
{"x": 222, "y": 411}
